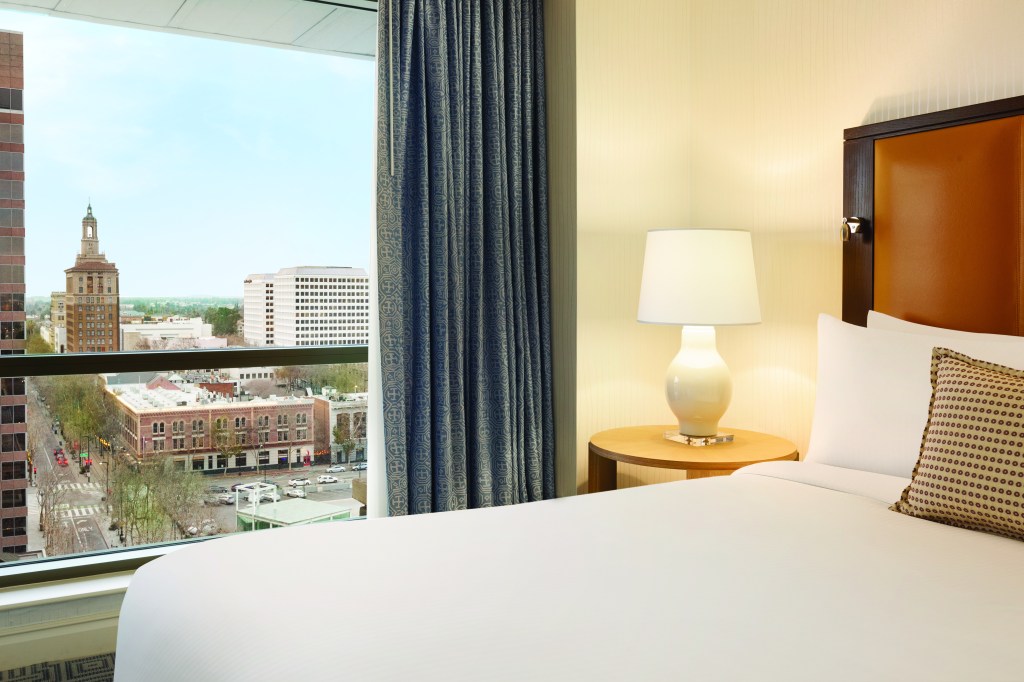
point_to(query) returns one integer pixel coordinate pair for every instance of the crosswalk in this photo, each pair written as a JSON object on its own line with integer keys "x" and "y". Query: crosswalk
{"x": 80, "y": 512}
{"x": 78, "y": 486}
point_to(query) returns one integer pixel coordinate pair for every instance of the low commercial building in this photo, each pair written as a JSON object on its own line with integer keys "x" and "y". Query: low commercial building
{"x": 174, "y": 333}
{"x": 206, "y": 430}
{"x": 56, "y": 336}
{"x": 298, "y": 512}
{"x": 340, "y": 433}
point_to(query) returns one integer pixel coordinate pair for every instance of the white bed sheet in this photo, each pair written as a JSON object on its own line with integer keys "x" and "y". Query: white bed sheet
{"x": 765, "y": 575}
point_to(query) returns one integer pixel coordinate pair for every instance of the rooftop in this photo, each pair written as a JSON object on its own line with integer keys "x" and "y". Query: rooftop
{"x": 298, "y": 511}
{"x": 322, "y": 271}
{"x": 184, "y": 397}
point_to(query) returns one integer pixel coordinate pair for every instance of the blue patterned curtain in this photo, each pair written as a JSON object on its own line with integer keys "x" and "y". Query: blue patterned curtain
{"x": 462, "y": 255}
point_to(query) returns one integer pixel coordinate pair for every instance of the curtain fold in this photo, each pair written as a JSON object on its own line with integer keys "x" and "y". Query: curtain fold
{"x": 462, "y": 254}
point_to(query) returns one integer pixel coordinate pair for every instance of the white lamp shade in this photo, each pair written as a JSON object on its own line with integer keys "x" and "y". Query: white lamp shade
{"x": 699, "y": 277}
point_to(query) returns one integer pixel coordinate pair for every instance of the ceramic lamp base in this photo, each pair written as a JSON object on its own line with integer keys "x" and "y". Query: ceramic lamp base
{"x": 698, "y": 386}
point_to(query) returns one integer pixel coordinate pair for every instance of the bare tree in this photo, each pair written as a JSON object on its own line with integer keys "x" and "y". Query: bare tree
{"x": 58, "y": 533}
{"x": 155, "y": 501}
{"x": 260, "y": 387}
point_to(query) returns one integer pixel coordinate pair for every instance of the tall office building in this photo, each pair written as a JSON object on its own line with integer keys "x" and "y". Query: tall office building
{"x": 92, "y": 297}
{"x": 308, "y": 306}
{"x": 258, "y": 310}
{"x": 13, "y": 457}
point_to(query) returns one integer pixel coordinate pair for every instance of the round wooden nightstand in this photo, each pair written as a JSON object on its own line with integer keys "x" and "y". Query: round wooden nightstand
{"x": 647, "y": 446}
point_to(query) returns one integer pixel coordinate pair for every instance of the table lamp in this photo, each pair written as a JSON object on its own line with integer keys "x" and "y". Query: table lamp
{"x": 698, "y": 278}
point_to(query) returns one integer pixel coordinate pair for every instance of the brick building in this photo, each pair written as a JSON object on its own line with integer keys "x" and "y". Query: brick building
{"x": 346, "y": 413}
{"x": 14, "y": 466}
{"x": 92, "y": 296}
{"x": 207, "y": 430}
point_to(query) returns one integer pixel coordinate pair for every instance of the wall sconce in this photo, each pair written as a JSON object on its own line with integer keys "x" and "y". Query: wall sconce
{"x": 852, "y": 226}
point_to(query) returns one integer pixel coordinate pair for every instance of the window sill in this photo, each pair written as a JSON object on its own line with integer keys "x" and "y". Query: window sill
{"x": 62, "y": 608}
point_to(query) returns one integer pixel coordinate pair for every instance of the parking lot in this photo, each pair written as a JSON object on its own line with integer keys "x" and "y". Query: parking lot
{"x": 223, "y": 515}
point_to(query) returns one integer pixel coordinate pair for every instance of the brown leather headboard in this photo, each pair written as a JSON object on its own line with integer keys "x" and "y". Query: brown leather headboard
{"x": 942, "y": 236}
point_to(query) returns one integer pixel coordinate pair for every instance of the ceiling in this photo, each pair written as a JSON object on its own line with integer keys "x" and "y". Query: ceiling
{"x": 344, "y": 27}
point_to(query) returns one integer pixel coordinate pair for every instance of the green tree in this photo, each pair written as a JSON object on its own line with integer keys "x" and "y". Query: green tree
{"x": 34, "y": 341}
{"x": 224, "y": 320}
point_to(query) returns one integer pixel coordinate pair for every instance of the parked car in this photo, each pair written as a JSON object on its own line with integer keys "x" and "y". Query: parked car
{"x": 335, "y": 468}
{"x": 215, "y": 489}
{"x": 269, "y": 496}
{"x": 236, "y": 486}
{"x": 226, "y": 498}
{"x": 205, "y": 527}
{"x": 63, "y": 461}
{"x": 299, "y": 481}
{"x": 324, "y": 478}
{"x": 361, "y": 466}
{"x": 295, "y": 492}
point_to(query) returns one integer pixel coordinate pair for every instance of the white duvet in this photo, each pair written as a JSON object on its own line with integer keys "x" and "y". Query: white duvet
{"x": 783, "y": 571}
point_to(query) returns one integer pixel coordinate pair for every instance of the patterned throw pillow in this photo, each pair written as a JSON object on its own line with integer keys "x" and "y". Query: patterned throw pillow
{"x": 970, "y": 472}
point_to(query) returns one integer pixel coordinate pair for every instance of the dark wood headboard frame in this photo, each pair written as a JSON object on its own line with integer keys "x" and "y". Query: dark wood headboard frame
{"x": 859, "y": 189}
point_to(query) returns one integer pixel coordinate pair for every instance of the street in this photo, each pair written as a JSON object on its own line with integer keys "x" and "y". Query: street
{"x": 83, "y": 508}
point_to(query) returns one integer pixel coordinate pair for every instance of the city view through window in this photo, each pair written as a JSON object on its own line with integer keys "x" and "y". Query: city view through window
{"x": 211, "y": 195}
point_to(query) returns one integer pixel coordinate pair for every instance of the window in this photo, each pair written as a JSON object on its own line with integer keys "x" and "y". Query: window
{"x": 13, "y": 526}
{"x": 300, "y": 418}
{"x": 12, "y": 414}
{"x": 13, "y": 470}
{"x": 12, "y": 442}
{"x": 160, "y": 294}
{"x": 12, "y": 498}
{"x": 282, "y": 435}
{"x": 301, "y": 434}
{"x": 282, "y": 420}
{"x": 15, "y": 386}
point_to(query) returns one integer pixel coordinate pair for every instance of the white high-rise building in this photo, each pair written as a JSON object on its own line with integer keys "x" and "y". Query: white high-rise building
{"x": 308, "y": 306}
{"x": 258, "y": 310}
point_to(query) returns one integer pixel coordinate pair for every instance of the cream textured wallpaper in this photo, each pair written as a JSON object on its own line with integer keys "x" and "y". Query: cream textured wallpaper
{"x": 560, "y": 81}
{"x": 730, "y": 113}
{"x": 633, "y": 174}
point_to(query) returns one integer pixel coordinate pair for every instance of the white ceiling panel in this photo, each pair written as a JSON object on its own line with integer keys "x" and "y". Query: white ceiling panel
{"x": 37, "y": 4}
{"x": 277, "y": 23}
{"x": 344, "y": 27}
{"x": 355, "y": 28}
{"x": 148, "y": 12}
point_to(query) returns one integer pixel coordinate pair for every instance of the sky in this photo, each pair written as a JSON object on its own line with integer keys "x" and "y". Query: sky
{"x": 205, "y": 160}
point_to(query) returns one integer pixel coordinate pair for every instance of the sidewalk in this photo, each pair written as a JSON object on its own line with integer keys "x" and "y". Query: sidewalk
{"x": 36, "y": 541}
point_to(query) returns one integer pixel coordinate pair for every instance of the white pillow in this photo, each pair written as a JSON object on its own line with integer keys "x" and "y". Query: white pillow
{"x": 877, "y": 320}
{"x": 874, "y": 386}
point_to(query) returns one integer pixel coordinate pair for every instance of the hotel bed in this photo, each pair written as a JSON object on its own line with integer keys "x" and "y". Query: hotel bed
{"x": 782, "y": 571}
